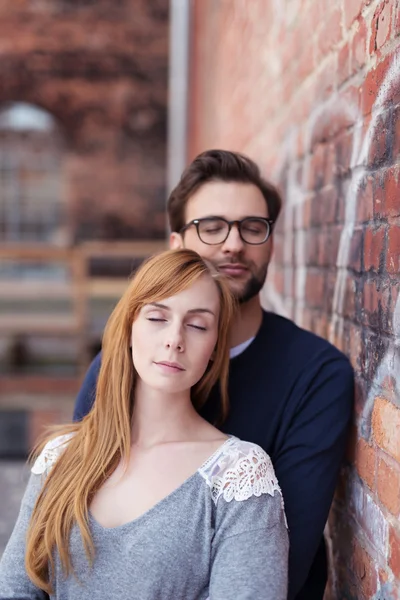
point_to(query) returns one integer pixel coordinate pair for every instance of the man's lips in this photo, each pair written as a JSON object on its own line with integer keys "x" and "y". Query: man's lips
{"x": 233, "y": 269}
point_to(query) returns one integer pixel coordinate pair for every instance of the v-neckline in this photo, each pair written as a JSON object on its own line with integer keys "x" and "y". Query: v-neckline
{"x": 95, "y": 523}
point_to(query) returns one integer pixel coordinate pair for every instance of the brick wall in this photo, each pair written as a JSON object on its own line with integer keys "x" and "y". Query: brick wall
{"x": 311, "y": 90}
{"x": 100, "y": 68}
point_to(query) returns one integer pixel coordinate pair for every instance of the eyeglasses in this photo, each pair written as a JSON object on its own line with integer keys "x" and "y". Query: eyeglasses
{"x": 215, "y": 230}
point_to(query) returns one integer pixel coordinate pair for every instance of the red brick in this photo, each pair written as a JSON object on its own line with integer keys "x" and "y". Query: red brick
{"x": 278, "y": 248}
{"x": 356, "y": 247}
{"x": 306, "y": 321}
{"x": 380, "y": 26}
{"x": 306, "y": 61}
{"x": 330, "y": 33}
{"x": 365, "y": 458}
{"x": 388, "y": 486}
{"x": 374, "y": 244}
{"x": 360, "y": 392}
{"x": 365, "y": 201}
{"x": 279, "y": 282}
{"x": 371, "y": 85}
{"x": 328, "y": 128}
{"x": 303, "y": 214}
{"x": 393, "y": 252}
{"x": 394, "y": 559}
{"x": 378, "y": 305}
{"x": 330, "y": 282}
{"x": 312, "y": 248}
{"x": 355, "y": 346}
{"x": 396, "y": 20}
{"x": 343, "y": 150}
{"x": 344, "y": 64}
{"x": 300, "y": 142}
{"x": 324, "y": 207}
{"x": 381, "y": 147}
{"x": 386, "y": 427}
{"x": 370, "y": 304}
{"x": 315, "y": 14}
{"x": 314, "y": 289}
{"x": 321, "y": 166}
{"x": 396, "y": 133}
{"x": 320, "y": 325}
{"x": 364, "y": 570}
{"x": 349, "y": 304}
{"x": 359, "y": 47}
{"x": 387, "y": 192}
{"x": 352, "y": 9}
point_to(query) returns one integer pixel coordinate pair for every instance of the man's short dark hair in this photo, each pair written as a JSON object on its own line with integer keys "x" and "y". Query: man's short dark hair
{"x": 219, "y": 165}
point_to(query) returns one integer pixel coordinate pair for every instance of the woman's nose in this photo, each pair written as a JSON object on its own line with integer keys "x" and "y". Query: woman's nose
{"x": 174, "y": 340}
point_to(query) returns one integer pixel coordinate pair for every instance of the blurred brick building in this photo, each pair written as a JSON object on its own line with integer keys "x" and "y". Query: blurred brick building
{"x": 99, "y": 70}
{"x": 311, "y": 91}
{"x": 83, "y": 120}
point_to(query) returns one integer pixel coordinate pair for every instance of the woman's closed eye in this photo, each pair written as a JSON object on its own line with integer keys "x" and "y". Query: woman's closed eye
{"x": 198, "y": 327}
{"x": 192, "y": 325}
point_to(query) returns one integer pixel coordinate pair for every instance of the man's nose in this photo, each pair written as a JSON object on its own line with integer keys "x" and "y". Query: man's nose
{"x": 233, "y": 242}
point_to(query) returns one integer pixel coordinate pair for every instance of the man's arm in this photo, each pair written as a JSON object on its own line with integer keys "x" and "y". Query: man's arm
{"x": 87, "y": 393}
{"x": 308, "y": 457}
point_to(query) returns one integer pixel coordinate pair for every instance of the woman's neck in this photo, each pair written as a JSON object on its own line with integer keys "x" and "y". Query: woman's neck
{"x": 160, "y": 417}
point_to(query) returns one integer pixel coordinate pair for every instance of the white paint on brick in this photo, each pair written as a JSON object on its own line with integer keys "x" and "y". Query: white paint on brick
{"x": 369, "y": 517}
{"x": 388, "y": 367}
{"x": 295, "y": 196}
{"x": 360, "y": 151}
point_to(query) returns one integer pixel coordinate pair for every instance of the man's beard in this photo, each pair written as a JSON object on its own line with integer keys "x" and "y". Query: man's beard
{"x": 253, "y": 286}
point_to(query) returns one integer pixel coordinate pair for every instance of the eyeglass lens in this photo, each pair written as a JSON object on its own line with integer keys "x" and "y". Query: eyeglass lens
{"x": 215, "y": 231}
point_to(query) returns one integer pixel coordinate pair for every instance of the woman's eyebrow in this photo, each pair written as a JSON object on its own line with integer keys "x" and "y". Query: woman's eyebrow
{"x": 157, "y": 305}
{"x": 191, "y": 311}
{"x": 201, "y": 310}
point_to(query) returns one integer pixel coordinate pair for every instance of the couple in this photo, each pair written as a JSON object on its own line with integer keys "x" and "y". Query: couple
{"x": 290, "y": 393}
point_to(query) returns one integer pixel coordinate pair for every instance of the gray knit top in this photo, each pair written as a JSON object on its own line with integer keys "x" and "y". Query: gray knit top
{"x": 220, "y": 535}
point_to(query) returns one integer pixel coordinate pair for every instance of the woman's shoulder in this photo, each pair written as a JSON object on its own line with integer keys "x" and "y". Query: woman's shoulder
{"x": 238, "y": 471}
{"x": 50, "y": 454}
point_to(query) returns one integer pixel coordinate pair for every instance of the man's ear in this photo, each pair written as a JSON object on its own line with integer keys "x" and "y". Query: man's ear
{"x": 176, "y": 241}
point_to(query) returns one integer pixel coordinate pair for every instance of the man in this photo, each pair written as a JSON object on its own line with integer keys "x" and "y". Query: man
{"x": 290, "y": 391}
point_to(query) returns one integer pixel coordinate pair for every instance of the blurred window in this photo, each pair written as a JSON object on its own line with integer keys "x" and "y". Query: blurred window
{"x": 31, "y": 150}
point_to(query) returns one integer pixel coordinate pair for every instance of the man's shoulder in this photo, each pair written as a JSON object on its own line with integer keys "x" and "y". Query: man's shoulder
{"x": 292, "y": 338}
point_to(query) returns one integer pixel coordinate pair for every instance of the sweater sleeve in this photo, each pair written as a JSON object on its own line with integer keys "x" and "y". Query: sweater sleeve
{"x": 250, "y": 550}
{"x": 308, "y": 457}
{"x": 87, "y": 393}
{"x": 14, "y": 581}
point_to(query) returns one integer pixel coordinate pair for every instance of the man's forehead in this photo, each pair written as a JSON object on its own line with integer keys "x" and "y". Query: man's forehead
{"x": 231, "y": 204}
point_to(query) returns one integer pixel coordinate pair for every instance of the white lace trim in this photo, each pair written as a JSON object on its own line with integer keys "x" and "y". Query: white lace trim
{"x": 50, "y": 454}
{"x": 238, "y": 471}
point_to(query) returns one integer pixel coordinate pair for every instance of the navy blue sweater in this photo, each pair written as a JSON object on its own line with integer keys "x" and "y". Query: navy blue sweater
{"x": 291, "y": 392}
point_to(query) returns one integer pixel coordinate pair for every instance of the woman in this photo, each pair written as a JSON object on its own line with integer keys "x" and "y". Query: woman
{"x": 144, "y": 499}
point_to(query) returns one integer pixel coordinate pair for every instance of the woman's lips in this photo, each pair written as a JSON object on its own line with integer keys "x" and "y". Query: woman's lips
{"x": 168, "y": 367}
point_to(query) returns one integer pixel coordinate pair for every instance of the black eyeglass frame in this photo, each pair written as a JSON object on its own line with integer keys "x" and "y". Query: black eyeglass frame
{"x": 238, "y": 223}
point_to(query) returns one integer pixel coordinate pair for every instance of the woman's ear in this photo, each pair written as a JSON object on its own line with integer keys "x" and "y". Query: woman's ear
{"x": 213, "y": 355}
